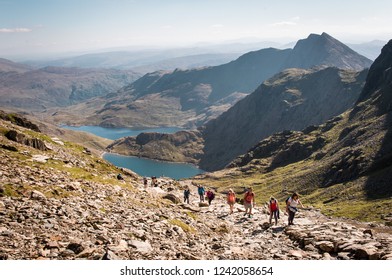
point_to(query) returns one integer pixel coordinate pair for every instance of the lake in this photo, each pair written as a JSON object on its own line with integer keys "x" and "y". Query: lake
{"x": 148, "y": 167}
{"x": 142, "y": 166}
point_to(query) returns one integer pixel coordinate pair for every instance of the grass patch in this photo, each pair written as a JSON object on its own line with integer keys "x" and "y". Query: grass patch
{"x": 182, "y": 225}
{"x": 192, "y": 215}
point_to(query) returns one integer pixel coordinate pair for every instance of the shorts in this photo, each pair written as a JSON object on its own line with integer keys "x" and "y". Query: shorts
{"x": 248, "y": 205}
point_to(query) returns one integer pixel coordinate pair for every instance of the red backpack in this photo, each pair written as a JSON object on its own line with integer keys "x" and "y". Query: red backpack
{"x": 249, "y": 197}
{"x": 231, "y": 198}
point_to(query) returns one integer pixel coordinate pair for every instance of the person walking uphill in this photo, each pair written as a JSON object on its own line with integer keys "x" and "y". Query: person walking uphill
{"x": 210, "y": 196}
{"x": 187, "y": 193}
{"x": 292, "y": 204}
{"x": 231, "y": 200}
{"x": 274, "y": 210}
{"x": 249, "y": 199}
{"x": 201, "y": 191}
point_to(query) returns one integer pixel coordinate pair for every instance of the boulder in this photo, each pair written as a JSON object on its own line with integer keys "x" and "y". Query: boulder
{"x": 326, "y": 246}
{"x": 172, "y": 198}
{"x": 36, "y": 195}
{"x": 203, "y": 204}
{"x": 77, "y": 248}
{"x": 141, "y": 246}
{"x": 109, "y": 255}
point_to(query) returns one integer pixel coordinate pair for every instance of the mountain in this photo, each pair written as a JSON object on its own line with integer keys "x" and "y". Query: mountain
{"x": 37, "y": 89}
{"x": 190, "y": 98}
{"x": 346, "y": 162}
{"x": 291, "y": 100}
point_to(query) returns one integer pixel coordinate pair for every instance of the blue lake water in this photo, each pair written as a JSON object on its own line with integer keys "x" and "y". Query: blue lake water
{"x": 116, "y": 133}
{"x": 148, "y": 167}
{"x": 142, "y": 166}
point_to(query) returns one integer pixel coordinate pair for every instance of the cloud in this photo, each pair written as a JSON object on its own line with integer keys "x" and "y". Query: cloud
{"x": 15, "y": 30}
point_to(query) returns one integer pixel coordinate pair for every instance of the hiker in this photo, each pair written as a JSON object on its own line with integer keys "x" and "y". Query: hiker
{"x": 291, "y": 206}
{"x": 249, "y": 199}
{"x": 154, "y": 181}
{"x": 201, "y": 191}
{"x": 273, "y": 207}
{"x": 231, "y": 200}
{"x": 120, "y": 177}
{"x": 187, "y": 193}
{"x": 145, "y": 181}
{"x": 210, "y": 196}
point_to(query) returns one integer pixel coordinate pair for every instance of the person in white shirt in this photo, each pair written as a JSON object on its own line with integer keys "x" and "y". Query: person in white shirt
{"x": 292, "y": 204}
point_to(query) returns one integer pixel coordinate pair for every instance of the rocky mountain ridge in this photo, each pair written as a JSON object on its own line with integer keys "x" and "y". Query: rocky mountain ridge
{"x": 64, "y": 203}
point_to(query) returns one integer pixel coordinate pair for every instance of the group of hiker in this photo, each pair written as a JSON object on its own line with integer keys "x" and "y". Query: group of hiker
{"x": 209, "y": 195}
{"x": 292, "y": 202}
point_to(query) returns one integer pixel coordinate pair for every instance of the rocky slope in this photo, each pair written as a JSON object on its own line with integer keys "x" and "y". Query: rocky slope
{"x": 190, "y": 98}
{"x": 291, "y": 100}
{"x": 63, "y": 203}
{"x": 32, "y": 90}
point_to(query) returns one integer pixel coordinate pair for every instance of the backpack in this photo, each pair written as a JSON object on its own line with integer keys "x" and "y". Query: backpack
{"x": 249, "y": 197}
{"x": 287, "y": 200}
{"x": 231, "y": 198}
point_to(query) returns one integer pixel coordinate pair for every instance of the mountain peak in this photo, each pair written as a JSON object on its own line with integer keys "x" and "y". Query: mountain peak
{"x": 325, "y": 49}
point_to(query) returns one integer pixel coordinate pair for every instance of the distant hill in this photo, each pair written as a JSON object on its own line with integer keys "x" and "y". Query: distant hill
{"x": 7, "y": 66}
{"x": 37, "y": 89}
{"x": 191, "y": 98}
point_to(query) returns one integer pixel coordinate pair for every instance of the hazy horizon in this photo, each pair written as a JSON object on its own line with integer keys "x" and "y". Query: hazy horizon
{"x": 47, "y": 27}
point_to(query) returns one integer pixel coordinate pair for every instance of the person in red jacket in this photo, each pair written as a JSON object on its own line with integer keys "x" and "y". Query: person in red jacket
{"x": 273, "y": 209}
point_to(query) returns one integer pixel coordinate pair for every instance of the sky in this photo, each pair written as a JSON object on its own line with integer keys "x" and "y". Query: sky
{"x": 31, "y": 27}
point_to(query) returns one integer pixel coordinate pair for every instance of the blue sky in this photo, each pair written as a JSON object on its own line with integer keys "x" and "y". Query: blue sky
{"x": 49, "y": 26}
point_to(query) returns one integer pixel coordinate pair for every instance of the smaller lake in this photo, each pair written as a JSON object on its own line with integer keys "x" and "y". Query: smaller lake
{"x": 116, "y": 133}
{"x": 148, "y": 167}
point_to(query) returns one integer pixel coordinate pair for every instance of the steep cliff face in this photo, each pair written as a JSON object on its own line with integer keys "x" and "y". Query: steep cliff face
{"x": 292, "y": 100}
